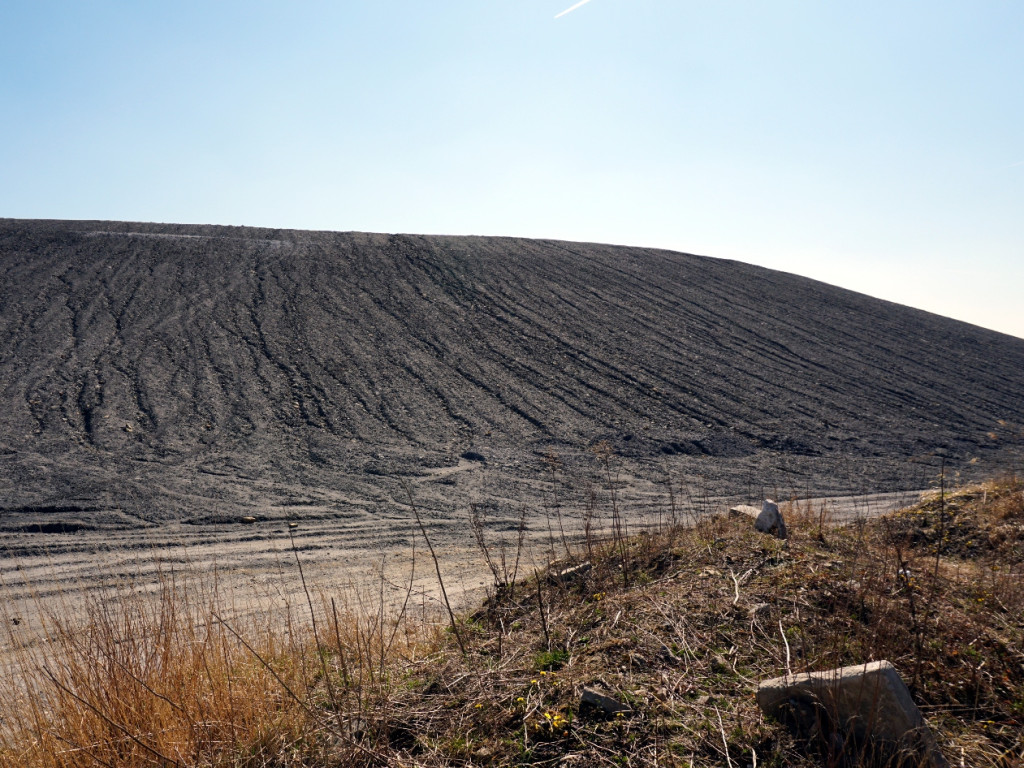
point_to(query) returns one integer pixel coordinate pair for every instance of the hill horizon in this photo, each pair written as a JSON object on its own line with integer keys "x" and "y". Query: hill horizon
{"x": 194, "y": 373}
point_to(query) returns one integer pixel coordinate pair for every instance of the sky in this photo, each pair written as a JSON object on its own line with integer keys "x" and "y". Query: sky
{"x": 875, "y": 145}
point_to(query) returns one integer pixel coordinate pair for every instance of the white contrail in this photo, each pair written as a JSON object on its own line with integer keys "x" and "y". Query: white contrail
{"x": 1011, "y": 165}
{"x": 570, "y": 10}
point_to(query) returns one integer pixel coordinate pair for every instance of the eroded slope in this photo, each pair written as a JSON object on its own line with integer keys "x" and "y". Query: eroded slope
{"x": 155, "y": 372}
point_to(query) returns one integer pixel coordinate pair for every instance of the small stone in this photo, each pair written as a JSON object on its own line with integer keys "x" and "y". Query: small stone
{"x": 593, "y": 698}
{"x": 484, "y": 753}
{"x": 720, "y": 664}
{"x": 572, "y": 575}
{"x": 248, "y": 519}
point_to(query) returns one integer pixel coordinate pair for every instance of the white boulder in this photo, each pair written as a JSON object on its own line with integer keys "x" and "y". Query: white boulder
{"x": 770, "y": 520}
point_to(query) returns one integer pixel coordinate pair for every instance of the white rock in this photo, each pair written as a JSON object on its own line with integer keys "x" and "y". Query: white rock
{"x": 572, "y": 575}
{"x": 866, "y": 705}
{"x": 770, "y": 520}
{"x": 745, "y": 510}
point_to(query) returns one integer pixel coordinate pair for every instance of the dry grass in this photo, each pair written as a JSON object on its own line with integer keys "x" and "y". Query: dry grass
{"x": 185, "y": 678}
{"x": 678, "y": 624}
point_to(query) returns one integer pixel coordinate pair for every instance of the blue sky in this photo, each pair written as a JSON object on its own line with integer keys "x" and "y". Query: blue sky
{"x": 873, "y": 145}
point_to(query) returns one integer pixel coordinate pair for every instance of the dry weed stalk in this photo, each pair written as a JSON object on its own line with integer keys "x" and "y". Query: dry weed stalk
{"x": 437, "y": 568}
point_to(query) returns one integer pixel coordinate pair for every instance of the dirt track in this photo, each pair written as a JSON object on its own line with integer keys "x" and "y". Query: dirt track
{"x": 170, "y": 378}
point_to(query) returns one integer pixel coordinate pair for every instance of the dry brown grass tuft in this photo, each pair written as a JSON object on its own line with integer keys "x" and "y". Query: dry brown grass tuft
{"x": 978, "y": 521}
{"x": 184, "y": 678}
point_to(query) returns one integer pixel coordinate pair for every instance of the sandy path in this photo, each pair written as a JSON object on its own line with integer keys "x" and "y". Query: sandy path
{"x": 254, "y": 566}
